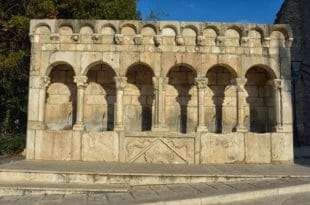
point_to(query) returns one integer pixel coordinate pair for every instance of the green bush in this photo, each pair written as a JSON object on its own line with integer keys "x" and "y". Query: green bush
{"x": 13, "y": 143}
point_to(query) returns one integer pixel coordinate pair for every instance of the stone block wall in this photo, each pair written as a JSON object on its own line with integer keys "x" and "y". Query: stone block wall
{"x": 296, "y": 14}
{"x": 159, "y": 92}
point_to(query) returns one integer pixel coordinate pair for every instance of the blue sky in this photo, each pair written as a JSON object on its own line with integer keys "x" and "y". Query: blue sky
{"x": 245, "y": 11}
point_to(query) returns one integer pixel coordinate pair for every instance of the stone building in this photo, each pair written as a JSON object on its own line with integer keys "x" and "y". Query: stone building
{"x": 297, "y": 14}
{"x": 160, "y": 92}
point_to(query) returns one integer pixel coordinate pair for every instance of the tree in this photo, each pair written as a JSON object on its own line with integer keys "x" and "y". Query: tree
{"x": 15, "y": 16}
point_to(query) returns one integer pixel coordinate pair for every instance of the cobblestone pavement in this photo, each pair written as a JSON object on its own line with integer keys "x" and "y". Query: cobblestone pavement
{"x": 156, "y": 193}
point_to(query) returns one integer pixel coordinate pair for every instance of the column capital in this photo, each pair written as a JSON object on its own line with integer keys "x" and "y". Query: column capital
{"x": 120, "y": 82}
{"x": 159, "y": 82}
{"x": 276, "y": 83}
{"x": 239, "y": 83}
{"x": 201, "y": 82}
{"x": 81, "y": 81}
{"x": 44, "y": 81}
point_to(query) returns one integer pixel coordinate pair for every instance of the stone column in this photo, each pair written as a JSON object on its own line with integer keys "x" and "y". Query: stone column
{"x": 159, "y": 123}
{"x": 201, "y": 83}
{"x": 277, "y": 86}
{"x": 240, "y": 98}
{"x": 44, "y": 82}
{"x": 121, "y": 83}
{"x": 81, "y": 83}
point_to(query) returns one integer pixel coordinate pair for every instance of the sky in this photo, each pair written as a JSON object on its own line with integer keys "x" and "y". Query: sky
{"x": 242, "y": 11}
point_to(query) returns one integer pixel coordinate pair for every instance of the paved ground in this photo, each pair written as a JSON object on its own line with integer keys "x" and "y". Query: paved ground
{"x": 156, "y": 193}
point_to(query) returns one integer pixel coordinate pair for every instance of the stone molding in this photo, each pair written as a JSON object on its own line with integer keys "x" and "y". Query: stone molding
{"x": 201, "y": 82}
{"x": 120, "y": 82}
{"x": 81, "y": 81}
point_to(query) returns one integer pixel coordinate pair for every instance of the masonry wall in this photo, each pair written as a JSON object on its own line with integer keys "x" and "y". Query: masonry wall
{"x": 160, "y": 92}
{"x": 297, "y": 14}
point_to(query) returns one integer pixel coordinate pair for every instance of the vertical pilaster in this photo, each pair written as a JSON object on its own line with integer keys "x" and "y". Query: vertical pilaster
{"x": 81, "y": 83}
{"x": 159, "y": 123}
{"x": 201, "y": 83}
{"x": 277, "y": 86}
{"x": 121, "y": 83}
{"x": 44, "y": 82}
{"x": 240, "y": 98}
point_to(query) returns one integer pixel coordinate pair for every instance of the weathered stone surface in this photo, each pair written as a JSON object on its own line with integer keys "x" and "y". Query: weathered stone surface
{"x": 282, "y": 149}
{"x": 257, "y": 148}
{"x": 98, "y": 146}
{"x": 222, "y": 148}
{"x": 171, "y": 82}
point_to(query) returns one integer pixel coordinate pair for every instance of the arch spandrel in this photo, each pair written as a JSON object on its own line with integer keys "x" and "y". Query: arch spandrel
{"x": 63, "y": 58}
{"x": 230, "y": 68}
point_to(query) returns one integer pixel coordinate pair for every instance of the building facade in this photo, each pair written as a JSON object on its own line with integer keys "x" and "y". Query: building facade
{"x": 296, "y": 13}
{"x": 160, "y": 92}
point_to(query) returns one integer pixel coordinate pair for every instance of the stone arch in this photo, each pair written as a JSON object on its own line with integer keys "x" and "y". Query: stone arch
{"x": 226, "y": 66}
{"x": 152, "y": 30}
{"x": 139, "y": 97}
{"x": 267, "y": 68}
{"x": 221, "y": 101}
{"x": 43, "y": 32}
{"x": 56, "y": 64}
{"x": 60, "y": 109}
{"x": 108, "y": 27}
{"x": 232, "y": 37}
{"x": 148, "y": 32}
{"x": 180, "y": 91}
{"x": 277, "y": 39}
{"x": 88, "y": 27}
{"x": 92, "y": 64}
{"x": 42, "y": 29}
{"x": 100, "y": 98}
{"x": 190, "y": 35}
{"x": 261, "y": 113}
{"x": 65, "y": 32}
{"x": 129, "y": 31}
{"x": 255, "y": 38}
{"x": 210, "y": 35}
{"x": 86, "y": 32}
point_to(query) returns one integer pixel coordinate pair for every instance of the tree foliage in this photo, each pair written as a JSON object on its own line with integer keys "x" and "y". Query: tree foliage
{"x": 15, "y": 16}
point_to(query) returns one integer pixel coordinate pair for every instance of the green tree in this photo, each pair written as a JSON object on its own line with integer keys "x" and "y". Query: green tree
{"x": 15, "y": 16}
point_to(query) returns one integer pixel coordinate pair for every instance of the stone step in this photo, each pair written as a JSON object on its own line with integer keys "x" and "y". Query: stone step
{"x": 141, "y": 174}
{"x": 30, "y": 188}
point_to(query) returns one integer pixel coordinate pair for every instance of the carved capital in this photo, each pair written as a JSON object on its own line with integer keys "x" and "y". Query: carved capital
{"x": 201, "y": 82}
{"x": 266, "y": 42}
{"x": 245, "y": 41}
{"x": 75, "y": 37}
{"x": 96, "y": 38}
{"x": 44, "y": 81}
{"x": 179, "y": 40}
{"x": 276, "y": 83}
{"x": 200, "y": 40}
{"x": 158, "y": 40}
{"x": 220, "y": 40}
{"x": 81, "y": 81}
{"x": 120, "y": 82}
{"x": 138, "y": 39}
{"x": 289, "y": 42}
{"x": 54, "y": 37}
{"x": 118, "y": 39}
{"x": 239, "y": 83}
{"x": 160, "y": 83}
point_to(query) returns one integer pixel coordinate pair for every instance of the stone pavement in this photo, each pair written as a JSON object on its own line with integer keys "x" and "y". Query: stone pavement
{"x": 199, "y": 193}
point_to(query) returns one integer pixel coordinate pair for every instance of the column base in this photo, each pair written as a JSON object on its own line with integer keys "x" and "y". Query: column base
{"x": 241, "y": 129}
{"x": 279, "y": 128}
{"x": 160, "y": 128}
{"x": 202, "y": 128}
{"x": 119, "y": 128}
{"x": 79, "y": 127}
